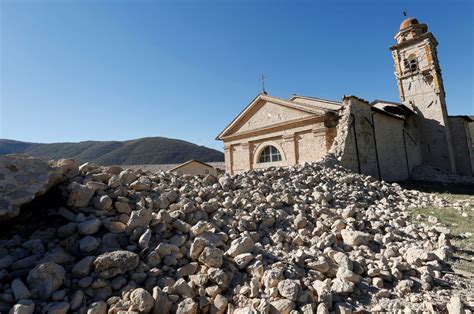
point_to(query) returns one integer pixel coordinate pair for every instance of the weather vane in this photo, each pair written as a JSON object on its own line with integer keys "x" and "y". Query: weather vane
{"x": 262, "y": 78}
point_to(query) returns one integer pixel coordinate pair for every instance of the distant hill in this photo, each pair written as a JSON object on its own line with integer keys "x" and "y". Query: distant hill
{"x": 149, "y": 150}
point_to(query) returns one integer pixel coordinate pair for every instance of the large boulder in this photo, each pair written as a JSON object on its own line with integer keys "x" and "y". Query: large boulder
{"x": 24, "y": 178}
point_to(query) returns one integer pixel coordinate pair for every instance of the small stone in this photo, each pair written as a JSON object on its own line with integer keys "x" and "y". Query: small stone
{"x": 342, "y": 308}
{"x": 88, "y": 244}
{"x": 162, "y": 303}
{"x": 23, "y": 307}
{"x": 377, "y": 282}
{"x": 272, "y": 277}
{"x": 242, "y": 260}
{"x": 241, "y": 245}
{"x": 20, "y": 291}
{"x": 59, "y": 308}
{"x": 115, "y": 263}
{"x": 34, "y": 246}
{"x": 289, "y": 289}
{"x": 187, "y": 306}
{"x": 341, "y": 286}
{"x": 103, "y": 202}
{"x": 187, "y": 270}
{"x": 354, "y": 238}
{"x": 141, "y": 300}
{"x": 76, "y": 300}
{"x": 455, "y": 305}
{"x": 322, "y": 309}
{"x": 139, "y": 218}
{"x": 59, "y": 295}
{"x": 145, "y": 239}
{"x": 183, "y": 289}
{"x": 6, "y": 261}
{"x": 83, "y": 267}
{"x": 211, "y": 257}
{"x": 142, "y": 184}
{"x": 219, "y": 304}
{"x": 99, "y": 307}
{"x": 46, "y": 278}
{"x": 282, "y": 306}
{"x": 80, "y": 195}
{"x": 89, "y": 227}
{"x": 123, "y": 207}
{"x": 346, "y": 274}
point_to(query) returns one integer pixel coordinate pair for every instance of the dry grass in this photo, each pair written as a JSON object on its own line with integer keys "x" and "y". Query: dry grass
{"x": 459, "y": 224}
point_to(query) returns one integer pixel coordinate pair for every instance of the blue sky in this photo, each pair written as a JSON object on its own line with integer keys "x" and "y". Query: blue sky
{"x": 116, "y": 70}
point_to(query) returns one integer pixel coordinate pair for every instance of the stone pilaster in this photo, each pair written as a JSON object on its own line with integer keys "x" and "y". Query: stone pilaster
{"x": 291, "y": 153}
{"x": 228, "y": 159}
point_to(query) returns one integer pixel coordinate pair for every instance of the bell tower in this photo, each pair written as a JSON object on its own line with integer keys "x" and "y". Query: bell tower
{"x": 420, "y": 85}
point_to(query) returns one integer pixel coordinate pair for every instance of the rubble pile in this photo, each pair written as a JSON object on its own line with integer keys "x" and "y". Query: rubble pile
{"x": 306, "y": 239}
{"x": 431, "y": 174}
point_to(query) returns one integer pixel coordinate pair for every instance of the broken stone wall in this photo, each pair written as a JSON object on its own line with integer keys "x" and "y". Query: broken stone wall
{"x": 374, "y": 143}
{"x": 354, "y": 143}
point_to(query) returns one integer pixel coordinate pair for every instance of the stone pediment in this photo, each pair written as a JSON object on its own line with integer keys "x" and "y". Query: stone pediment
{"x": 266, "y": 111}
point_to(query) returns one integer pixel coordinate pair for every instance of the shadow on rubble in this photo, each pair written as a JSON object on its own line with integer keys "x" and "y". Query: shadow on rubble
{"x": 39, "y": 213}
{"x": 437, "y": 187}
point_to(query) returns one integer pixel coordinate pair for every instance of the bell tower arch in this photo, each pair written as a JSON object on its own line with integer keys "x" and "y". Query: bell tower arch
{"x": 420, "y": 86}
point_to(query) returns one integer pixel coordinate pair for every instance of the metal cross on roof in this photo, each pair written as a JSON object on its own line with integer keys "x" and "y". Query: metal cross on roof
{"x": 262, "y": 79}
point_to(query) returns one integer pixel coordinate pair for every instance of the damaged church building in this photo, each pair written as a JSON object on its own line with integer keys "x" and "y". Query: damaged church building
{"x": 384, "y": 139}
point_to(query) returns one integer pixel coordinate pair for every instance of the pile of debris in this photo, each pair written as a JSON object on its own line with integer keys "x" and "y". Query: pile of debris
{"x": 312, "y": 238}
{"x": 431, "y": 174}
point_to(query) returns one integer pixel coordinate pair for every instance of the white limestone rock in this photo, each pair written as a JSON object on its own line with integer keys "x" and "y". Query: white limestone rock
{"x": 187, "y": 306}
{"x": 241, "y": 245}
{"x": 141, "y": 300}
{"x": 355, "y": 238}
{"x": 289, "y": 289}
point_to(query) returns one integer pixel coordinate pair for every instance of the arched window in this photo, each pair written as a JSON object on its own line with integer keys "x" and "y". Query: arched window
{"x": 411, "y": 63}
{"x": 269, "y": 154}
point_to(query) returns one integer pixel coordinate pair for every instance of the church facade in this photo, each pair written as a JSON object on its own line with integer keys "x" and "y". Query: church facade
{"x": 384, "y": 139}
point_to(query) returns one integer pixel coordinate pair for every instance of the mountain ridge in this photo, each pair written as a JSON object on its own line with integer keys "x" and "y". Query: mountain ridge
{"x": 147, "y": 150}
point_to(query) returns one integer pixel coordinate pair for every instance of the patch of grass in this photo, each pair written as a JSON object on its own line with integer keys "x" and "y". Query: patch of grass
{"x": 458, "y": 224}
{"x": 451, "y": 217}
